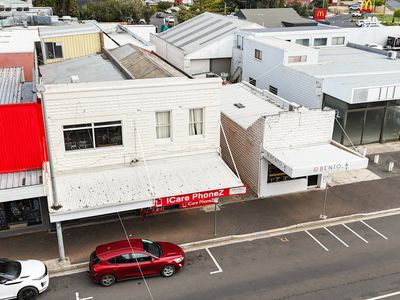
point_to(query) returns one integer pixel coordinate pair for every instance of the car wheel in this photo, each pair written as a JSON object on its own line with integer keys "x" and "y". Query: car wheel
{"x": 107, "y": 280}
{"x": 168, "y": 271}
{"x": 28, "y": 293}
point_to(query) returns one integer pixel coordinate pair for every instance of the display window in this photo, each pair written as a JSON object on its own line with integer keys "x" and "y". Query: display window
{"x": 20, "y": 214}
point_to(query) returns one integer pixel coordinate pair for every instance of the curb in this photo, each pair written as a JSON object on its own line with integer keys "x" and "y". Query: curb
{"x": 62, "y": 269}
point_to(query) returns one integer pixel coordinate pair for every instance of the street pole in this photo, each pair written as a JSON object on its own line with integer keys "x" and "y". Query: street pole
{"x": 326, "y": 179}
{"x": 60, "y": 241}
{"x": 215, "y": 218}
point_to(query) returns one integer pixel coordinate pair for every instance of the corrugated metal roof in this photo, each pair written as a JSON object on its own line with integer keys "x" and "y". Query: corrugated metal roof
{"x": 319, "y": 27}
{"x": 70, "y": 29}
{"x": 201, "y": 30}
{"x": 11, "y": 85}
{"x": 20, "y": 179}
{"x": 120, "y": 185}
{"x": 252, "y": 104}
{"x": 143, "y": 64}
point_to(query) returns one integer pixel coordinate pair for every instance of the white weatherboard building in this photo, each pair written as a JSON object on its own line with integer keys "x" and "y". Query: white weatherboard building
{"x": 200, "y": 45}
{"x": 362, "y": 85}
{"x": 278, "y": 146}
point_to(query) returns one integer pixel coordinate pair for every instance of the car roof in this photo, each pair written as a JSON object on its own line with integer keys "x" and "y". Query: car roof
{"x": 107, "y": 251}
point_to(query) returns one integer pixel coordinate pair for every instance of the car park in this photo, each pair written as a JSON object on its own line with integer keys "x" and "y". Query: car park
{"x": 132, "y": 258}
{"x": 22, "y": 279}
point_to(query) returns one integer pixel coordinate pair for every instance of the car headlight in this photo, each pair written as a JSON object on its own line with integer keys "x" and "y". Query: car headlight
{"x": 178, "y": 260}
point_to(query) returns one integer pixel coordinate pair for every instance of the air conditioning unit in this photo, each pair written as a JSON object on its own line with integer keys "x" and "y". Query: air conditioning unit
{"x": 391, "y": 55}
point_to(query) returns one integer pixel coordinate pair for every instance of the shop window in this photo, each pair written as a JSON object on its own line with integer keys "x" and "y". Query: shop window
{"x": 252, "y": 81}
{"x": 354, "y": 127}
{"x": 304, "y": 42}
{"x": 391, "y": 126}
{"x": 89, "y": 135}
{"x": 20, "y": 214}
{"x": 163, "y": 124}
{"x": 320, "y": 42}
{"x": 258, "y": 54}
{"x": 273, "y": 90}
{"x": 54, "y": 50}
{"x": 338, "y": 40}
{"x": 373, "y": 125}
{"x": 297, "y": 59}
{"x": 196, "y": 121}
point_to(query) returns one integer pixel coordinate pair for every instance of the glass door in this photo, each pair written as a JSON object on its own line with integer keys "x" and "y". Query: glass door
{"x": 373, "y": 125}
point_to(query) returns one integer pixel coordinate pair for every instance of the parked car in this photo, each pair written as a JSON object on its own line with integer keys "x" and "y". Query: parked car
{"x": 125, "y": 259}
{"x": 159, "y": 15}
{"x": 367, "y": 23}
{"x": 168, "y": 11}
{"x": 355, "y": 6}
{"x": 357, "y": 14}
{"x": 22, "y": 279}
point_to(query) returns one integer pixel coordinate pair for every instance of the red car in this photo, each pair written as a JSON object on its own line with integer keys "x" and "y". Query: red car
{"x": 125, "y": 259}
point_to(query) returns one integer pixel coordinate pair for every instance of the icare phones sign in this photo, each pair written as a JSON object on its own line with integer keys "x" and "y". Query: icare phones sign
{"x": 319, "y": 14}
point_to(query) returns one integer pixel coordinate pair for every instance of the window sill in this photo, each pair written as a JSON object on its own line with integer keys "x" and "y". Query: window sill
{"x": 93, "y": 149}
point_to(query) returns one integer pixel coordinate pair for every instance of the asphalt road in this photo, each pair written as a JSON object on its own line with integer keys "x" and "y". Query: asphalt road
{"x": 342, "y": 20}
{"x": 359, "y": 261}
{"x": 393, "y": 4}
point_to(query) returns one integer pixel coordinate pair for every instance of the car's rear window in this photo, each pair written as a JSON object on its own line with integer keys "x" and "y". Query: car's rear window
{"x": 94, "y": 259}
{"x": 10, "y": 269}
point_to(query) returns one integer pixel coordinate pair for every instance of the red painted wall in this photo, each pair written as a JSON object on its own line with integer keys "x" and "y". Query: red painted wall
{"x": 25, "y": 60}
{"x": 22, "y": 138}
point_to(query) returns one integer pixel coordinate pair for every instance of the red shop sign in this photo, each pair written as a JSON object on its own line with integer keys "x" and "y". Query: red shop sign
{"x": 200, "y": 196}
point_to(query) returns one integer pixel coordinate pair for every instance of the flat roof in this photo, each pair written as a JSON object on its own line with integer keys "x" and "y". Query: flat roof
{"x": 255, "y": 104}
{"x": 319, "y": 27}
{"x": 111, "y": 188}
{"x": 67, "y": 29}
{"x": 18, "y": 40}
{"x": 348, "y": 61}
{"x": 279, "y": 43}
{"x": 202, "y": 30}
{"x": 91, "y": 68}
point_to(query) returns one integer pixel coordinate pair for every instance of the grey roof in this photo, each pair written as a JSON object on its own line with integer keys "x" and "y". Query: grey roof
{"x": 202, "y": 30}
{"x": 320, "y": 27}
{"x": 141, "y": 63}
{"x": 347, "y": 61}
{"x": 273, "y": 17}
{"x": 11, "y": 85}
{"x": 20, "y": 179}
{"x": 89, "y": 69}
{"x": 254, "y": 103}
{"x": 67, "y": 29}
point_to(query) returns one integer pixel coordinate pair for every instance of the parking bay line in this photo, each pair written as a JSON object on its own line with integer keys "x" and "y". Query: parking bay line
{"x": 384, "y": 296}
{"x": 355, "y": 233}
{"x": 319, "y": 243}
{"x": 215, "y": 262}
{"x": 336, "y": 237}
{"x": 374, "y": 229}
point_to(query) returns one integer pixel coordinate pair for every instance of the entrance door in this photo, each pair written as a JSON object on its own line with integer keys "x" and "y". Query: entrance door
{"x": 373, "y": 125}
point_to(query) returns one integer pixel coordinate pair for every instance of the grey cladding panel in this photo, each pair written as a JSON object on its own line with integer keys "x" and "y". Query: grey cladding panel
{"x": 195, "y": 30}
{"x": 221, "y": 34}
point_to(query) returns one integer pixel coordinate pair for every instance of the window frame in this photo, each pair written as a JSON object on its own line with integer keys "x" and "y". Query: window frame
{"x": 320, "y": 39}
{"x": 337, "y": 38}
{"x": 164, "y": 125}
{"x": 258, "y": 54}
{"x": 273, "y": 90}
{"x": 54, "y": 45}
{"x": 252, "y": 81}
{"x": 302, "y": 43}
{"x": 194, "y": 122}
{"x": 293, "y": 59}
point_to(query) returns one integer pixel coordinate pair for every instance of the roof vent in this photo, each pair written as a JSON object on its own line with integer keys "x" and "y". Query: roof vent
{"x": 239, "y": 105}
{"x": 391, "y": 55}
{"x": 74, "y": 79}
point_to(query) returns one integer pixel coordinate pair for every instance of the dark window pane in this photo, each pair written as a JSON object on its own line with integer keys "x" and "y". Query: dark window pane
{"x": 373, "y": 126}
{"x": 77, "y": 126}
{"x": 49, "y": 50}
{"x": 354, "y": 126}
{"x": 78, "y": 139}
{"x": 140, "y": 257}
{"x": 58, "y": 51}
{"x": 123, "y": 259}
{"x": 391, "y": 127}
{"x": 377, "y": 104}
{"x": 108, "y": 136}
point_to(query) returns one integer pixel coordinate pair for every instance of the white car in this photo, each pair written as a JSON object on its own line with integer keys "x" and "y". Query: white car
{"x": 357, "y": 14}
{"x": 22, "y": 279}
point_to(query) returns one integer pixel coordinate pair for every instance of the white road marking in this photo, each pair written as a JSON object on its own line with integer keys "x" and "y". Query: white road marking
{"x": 355, "y": 233}
{"x": 384, "y": 296}
{"x": 326, "y": 249}
{"x": 336, "y": 237}
{"x": 215, "y": 262}
{"x": 77, "y": 297}
{"x": 374, "y": 229}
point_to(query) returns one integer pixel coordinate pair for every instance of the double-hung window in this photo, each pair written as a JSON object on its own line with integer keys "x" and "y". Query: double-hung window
{"x": 320, "y": 42}
{"x": 163, "y": 125}
{"x": 258, "y": 54}
{"x": 54, "y": 50}
{"x": 196, "y": 121}
{"x": 338, "y": 40}
{"x": 92, "y": 135}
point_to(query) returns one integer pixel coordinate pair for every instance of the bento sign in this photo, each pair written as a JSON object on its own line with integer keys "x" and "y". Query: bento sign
{"x": 200, "y": 196}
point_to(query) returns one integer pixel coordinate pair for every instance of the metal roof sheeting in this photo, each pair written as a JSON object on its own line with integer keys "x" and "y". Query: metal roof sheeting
{"x": 20, "y": 179}
{"x": 202, "y": 30}
{"x": 11, "y": 85}
{"x": 70, "y": 29}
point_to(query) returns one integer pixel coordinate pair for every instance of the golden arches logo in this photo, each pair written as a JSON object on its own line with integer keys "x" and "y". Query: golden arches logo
{"x": 320, "y": 13}
{"x": 366, "y": 5}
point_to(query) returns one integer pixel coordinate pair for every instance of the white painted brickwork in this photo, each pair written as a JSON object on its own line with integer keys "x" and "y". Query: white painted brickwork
{"x": 246, "y": 149}
{"x": 134, "y": 102}
{"x": 300, "y": 128}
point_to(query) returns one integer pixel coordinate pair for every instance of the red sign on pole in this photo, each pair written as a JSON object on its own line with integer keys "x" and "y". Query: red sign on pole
{"x": 319, "y": 14}
{"x": 200, "y": 197}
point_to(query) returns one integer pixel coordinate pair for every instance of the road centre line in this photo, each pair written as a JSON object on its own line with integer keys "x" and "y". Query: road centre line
{"x": 336, "y": 237}
{"x": 374, "y": 229}
{"x": 355, "y": 233}
{"x": 216, "y": 263}
{"x": 384, "y": 296}
{"x": 326, "y": 249}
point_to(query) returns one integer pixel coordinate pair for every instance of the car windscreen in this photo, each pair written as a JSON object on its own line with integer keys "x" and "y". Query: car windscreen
{"x": 94, "y": 259}
{"x": 10, "y": 269}
{"x": 152, "y": 247}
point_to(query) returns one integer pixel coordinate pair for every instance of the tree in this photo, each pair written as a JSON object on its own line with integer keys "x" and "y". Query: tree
{"x": 113, "y": 10}
{"x": 396, "y": 14}
{"x": 300, "y": 8}
{"x": 199, "y": 7}
{"x": 379, "y": 2}
{"x": 60, "y": 7}
{"x": 148, "y": 11}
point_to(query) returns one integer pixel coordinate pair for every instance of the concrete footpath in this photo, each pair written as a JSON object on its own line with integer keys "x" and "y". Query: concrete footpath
{"x": 234, "y": 216}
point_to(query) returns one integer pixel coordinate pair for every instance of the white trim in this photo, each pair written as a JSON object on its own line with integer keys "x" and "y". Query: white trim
{"x": 21, "y": 193}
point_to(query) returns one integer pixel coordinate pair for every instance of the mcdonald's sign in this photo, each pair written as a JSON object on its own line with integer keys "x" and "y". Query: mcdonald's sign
{"x": 366, "y": 6}
{"x": 319, "y": 14}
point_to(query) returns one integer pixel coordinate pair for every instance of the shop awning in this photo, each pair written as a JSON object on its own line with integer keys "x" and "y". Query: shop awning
{"x": 315, "y": 159}
{"x": 127, "y": 187}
